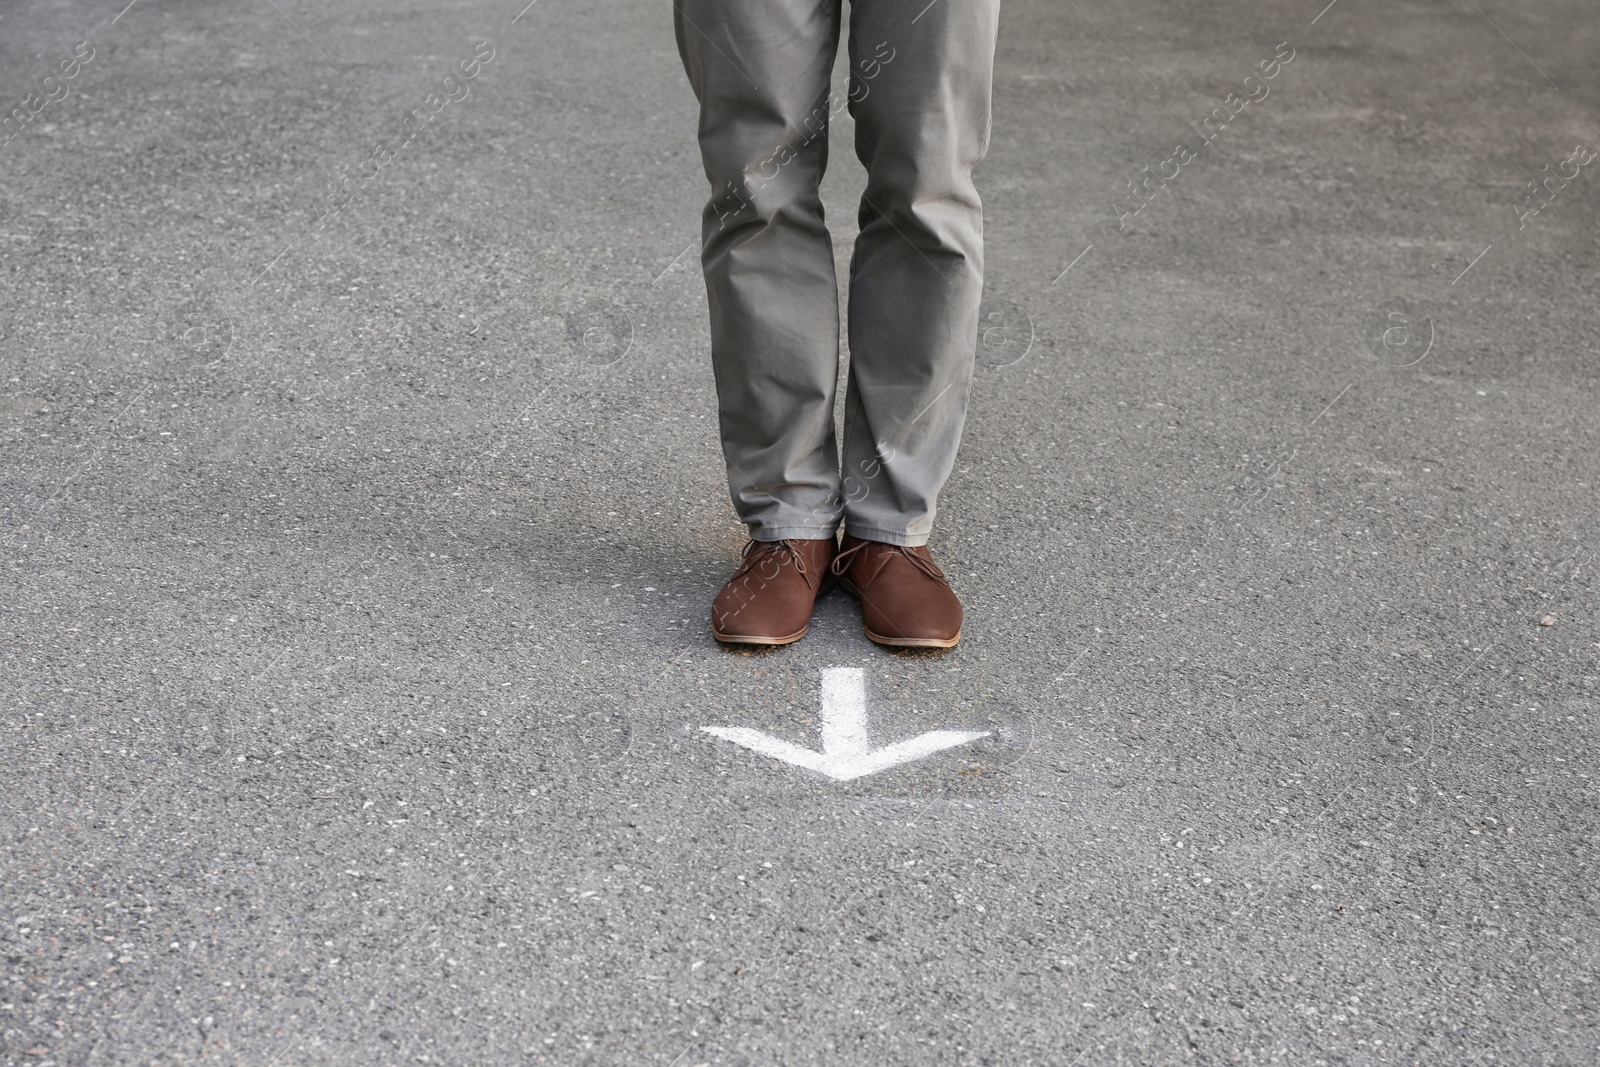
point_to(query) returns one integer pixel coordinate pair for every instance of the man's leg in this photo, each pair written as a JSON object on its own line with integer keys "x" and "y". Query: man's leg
{"x": 760, "y": 69}
{"x": 922, "y": 121}
{"x": 916, "y": 279}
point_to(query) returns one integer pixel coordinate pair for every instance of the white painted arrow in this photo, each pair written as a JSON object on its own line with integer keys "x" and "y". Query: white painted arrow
{"x": 846, "y": 753}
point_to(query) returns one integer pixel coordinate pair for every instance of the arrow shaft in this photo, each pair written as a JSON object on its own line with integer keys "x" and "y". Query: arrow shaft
{"x": 844, "y": 712}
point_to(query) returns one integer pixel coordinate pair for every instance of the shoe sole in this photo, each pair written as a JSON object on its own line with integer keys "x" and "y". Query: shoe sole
{"x": 744, "y": 639}
{"x": 899, "y": 642}
{"x": 911, "y": 642}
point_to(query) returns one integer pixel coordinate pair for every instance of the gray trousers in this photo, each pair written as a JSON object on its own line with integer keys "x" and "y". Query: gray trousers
{"x": 919, "y": 91}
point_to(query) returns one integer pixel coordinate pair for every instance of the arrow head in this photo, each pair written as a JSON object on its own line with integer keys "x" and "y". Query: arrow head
{"x": 846, "y": 752}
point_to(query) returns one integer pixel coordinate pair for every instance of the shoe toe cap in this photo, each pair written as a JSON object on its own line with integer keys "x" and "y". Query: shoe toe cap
{"x": 933, "y": 616}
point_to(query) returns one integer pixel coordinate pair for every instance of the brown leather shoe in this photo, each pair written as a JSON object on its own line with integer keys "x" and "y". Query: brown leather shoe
{"x": 768, "y": 600}
{"x": 906, "y": 601}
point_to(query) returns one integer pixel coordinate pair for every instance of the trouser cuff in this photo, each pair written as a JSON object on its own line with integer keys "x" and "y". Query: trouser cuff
{"x": 793, "y": 533}
{"x": 888, "y": 537}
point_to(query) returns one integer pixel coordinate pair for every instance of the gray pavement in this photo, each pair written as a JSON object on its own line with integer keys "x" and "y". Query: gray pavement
{"x": 362, "y": 508}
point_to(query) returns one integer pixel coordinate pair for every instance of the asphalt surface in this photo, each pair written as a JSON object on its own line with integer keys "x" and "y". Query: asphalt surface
{"x": 361, "y": 515}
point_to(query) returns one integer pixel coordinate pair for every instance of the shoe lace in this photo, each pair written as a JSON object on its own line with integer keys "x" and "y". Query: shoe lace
{"x": 841, "y": 562}
{"x": 756, "y": 551}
